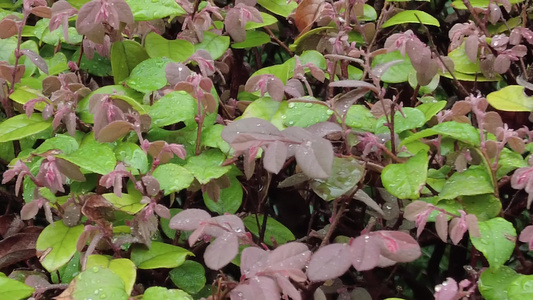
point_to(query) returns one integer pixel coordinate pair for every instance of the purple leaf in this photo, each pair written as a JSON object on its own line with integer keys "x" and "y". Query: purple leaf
{"x": 365, "y": 252}
{"x": 256, "y": 126}
{"x": 457, "y": 229}
{"x": 221, "y": 251}
{"x": 253, "y": 260}
{"x": 218, "y": 226}
{"x": 265, "y": 288}
{"x": 526, "y": 236}
{"x": 289, "y": 256}
{"x": 324, "y": 128}
{"x": 441, "y": 224}
{"x": 287, "y": 288}
{"x": 354, "y": 84}
{"x": 36, "y": 59}
{"x": 275, "y": 156}
{"x": 113, "y": 131}
{"x": 242, "y": 292}
{"x": 189, "y": 219}
{"x": 329, "y": 262}
{"x": 447, "y": 290}
{"x": 30, "y": 210}
{"x": 398, "y": 246}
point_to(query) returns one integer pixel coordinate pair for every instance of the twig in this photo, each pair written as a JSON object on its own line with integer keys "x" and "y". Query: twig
{"x": 275, "y": 38}
{"x": 336, "y": 220}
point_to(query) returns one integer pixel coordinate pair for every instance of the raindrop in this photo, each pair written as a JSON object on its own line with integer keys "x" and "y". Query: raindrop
{"x": 283, "y": 117}
{"x": 291, "y": 105}
{"x": 103, "y": 296}
{"x": 308, "y": 104}
{"x": 291, "y": 123}
{"x": 329, "y": 112}
{"x": 95, "y": 269}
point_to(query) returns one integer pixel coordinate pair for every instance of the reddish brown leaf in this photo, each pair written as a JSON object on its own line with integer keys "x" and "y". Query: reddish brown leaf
{"x": 18, "y": 247}
{"x": 113, "y": 131}
{"x": 306, "y": 13}
{"x": 8, "y": 28}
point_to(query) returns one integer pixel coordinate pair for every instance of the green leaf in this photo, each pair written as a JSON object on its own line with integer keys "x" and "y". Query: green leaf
{"x": 485, "y": 206}
{"x": 211, "y": 137}
{"x": 190, "y": 277}
{"x": 279, "y": 7}
{"x": 133, "y": 157}
{"x": 99, "y": 66}
{"x": 460, "y": 131}
{"x": 414, "y": 118}
{"x": 57, "y": 64}
{"x": 462, "y": 63}
{"x": 305, "y": 114}
{"x": 11, "y": 289}
{"x": 493, "y": 282}
{"x": 430, "y": 109}
{"x": 310, "y": 39}
{"x": 230, "y": 198}
{"x": 411, "y": 16}
{"x": 511, "y": 98}
{"x": 146, "y": 10}
{"x": 267, "y": 21}
{"x": 459, "y": 4}
{"x": 149, "y": 75}
{"x": 345, "y": 175}
{"x": 405, "y": 180}
{"x": 497, "y": 241}
{"x": 170, "y": 233}
{"x": 207, "y": 165}
{"x": 58, "y": 242}
{"x": 70, "y": 270}
{"x": 173, "y": 178}
{"x": 93, "y": 157}
{"x": 253, "y": 39}
{"x": 263, "y": 108}
{"x": 160, "y": 255}
{"x": 21, "y": 126}
{"x": 23, "y": 93}
{"x": 99, "y": 283}
{"x": 129, "y": 203}
{"x": 274, "y": 230}
{"x": 474, "y": 181}
{"x": 360, "y": 117}
{"x": 177, "y": 50}
{"x": 173, "y": 108}
{"x": 213, "y": 43}
{"x": 125, "y": 56}
{"x": 161, "y": 293}
{"x": 521, "y": 288}
{"x": 63, "y": 142}
{"x": 471, "y": 77}
{"x": 509, "y": 161}
{"x": 399, "y": 72}
{"x": 123, "y": 267}
{"x": 7, "y": 47}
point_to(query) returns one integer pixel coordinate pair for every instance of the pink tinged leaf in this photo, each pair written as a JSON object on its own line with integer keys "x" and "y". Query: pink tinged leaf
{"x": 457, "y": 230}
{"x": 385, "y": 262}
{"x": 275, "y": 156}
{"x": 265, "y": 288}
{"x": 398, "y": 246}
{"x": 30, "y": 210}
{"x": 502, "y": 63}
{"x": 414, "y": 209}
{"x": 294, "y": 88}
{"x": 471, "y": 47}
{"x": 275, "y": 88}
{"x": 446, "y": 290}
{"x": 8, "y": 28}
{"x": 253, "y": 260}
{"x": 494, "y": 13}
{"x": 354, "y": 84}
{"x": 197, "y": 234}
{"x": 176, "y": 73}
{"x": 189, "y": 219}
{"x": 329, "y": 262}
{"x": 87, "y": 23}
{"x": 249, "y": 126}
{"x": 441, "y": 224}
{"x": 366, "y": 199}
{"x": 519, "y": 50}
{"x": 365, "y": 252}
{"x": 473, "y": 228}
{"x": 287, "y": 288}
{"x": 526, "y": 236}
{"x": 70, "y": 170}
{"x": 36, "y": 59}
{"x": 242, "y": 292}
{"x": 222, "y": 251}
{"x": 113, "y": 131}
{"x": 289, "y": 256}
{"x": 178, "y": 150}
{"x": 218, "y": 226}
{"x": 520, "y": 177}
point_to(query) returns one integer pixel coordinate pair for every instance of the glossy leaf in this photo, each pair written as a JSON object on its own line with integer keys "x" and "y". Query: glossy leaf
{"x": 125, "y": 56}
{"x": 94, "y": 157}
{"x": 98, "y": 281}
{"x": 207, "y": 165}
{"x": 511, "y": 98}
{"x": 521, "y": 288}
{"x": 398, "y": 72}
{"x": 161, "y": 293}
{"x": 411, "y": 16}
{"x": 485, "y": 206}
{"x": 474, "y": 181}
{"x": 462, "y": 63}
{"x": 130, "y": 203}
{"x": 64, "y": 143}
{"x": 57, "y": 244}
{"x": 305, "y": 114}
{"x": 11, "y": 289}
{"x": 414, "y": 118}
{"x": 345, "y": 175}
{"x": 460, "y": 131}
{"x": 253, "y": 39}
{"x": 190, "y": 277}
{"x": 145, "y": 10}
{"x": 160, "y": 255}
{"x": 123, "y": 267}
{"x": 173, "y": 177}
{"x": 279, "y": 7}
{"x": 177, "y": 50}
{"x": 360, "y": 117}
{"x": 21, "y": 126}
{"x": 230, "y": 198}
{"x": 149, "y": 75}
{"x": 396, "y": 181}
{"x": 213, "y": 43}
{"x": 274, "y": 230}
{"x": 493, "y": 282}
{"x": 173, "y": 108}
{"x": 133, "y": 157}
{"x": 329, "y": 262}
{"x": 497, "y": 241}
